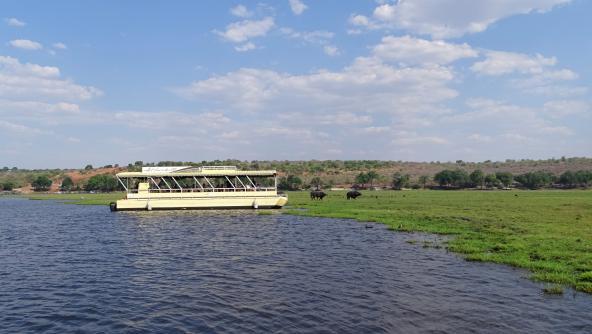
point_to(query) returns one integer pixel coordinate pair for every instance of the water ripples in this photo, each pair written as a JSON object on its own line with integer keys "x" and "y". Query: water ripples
{"x": 67, "y": 268}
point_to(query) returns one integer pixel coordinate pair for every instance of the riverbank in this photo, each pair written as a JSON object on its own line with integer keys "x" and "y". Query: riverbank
{"x": 79, "y": 198}
{"x": 546, "y": 232}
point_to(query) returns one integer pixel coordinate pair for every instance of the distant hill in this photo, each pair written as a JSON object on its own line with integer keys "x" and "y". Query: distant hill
{"x": 331, "y": 172}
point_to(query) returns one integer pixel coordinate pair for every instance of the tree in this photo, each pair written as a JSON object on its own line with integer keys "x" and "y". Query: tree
{"x": 444, "y": 178}
{"x": 362, "y": 178}
{"x": 491, "y": 180}
{"x": 584, "y": 178}
{"x": 400, "y": 181}
{"x": 88, "y": 167}
{"x": 457, "y": 178}
{"x": 460, "y": 178}
{"x": 372, "y": 175}
{"x": 506, "y": 178}
{"x": 316, "y": 182}
{"x": 478, "y": 178}
{"x": 102, "y": 182}
{"x": 41, "y": 183}
{"x": 568, "y": 179}
{"x": 7, "y": 186}
{"x": 67, "y": 184}
{"x": 291, "y": 182}
{"x": 423, "y": 180}
{"x": 295, "y": 182}
{"x": 535, "y": 180}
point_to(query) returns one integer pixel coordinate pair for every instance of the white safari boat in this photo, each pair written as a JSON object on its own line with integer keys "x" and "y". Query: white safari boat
{"x": 207, "y": 187}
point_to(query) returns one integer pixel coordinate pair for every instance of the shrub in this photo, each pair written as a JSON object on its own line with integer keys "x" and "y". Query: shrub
{"x": 41, "y": 183}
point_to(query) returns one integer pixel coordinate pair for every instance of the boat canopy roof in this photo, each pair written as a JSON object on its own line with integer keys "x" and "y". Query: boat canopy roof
{"x": 195, "y": 171}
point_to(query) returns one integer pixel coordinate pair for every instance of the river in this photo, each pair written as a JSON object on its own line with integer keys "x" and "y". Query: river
{"x": 66, "y": 268}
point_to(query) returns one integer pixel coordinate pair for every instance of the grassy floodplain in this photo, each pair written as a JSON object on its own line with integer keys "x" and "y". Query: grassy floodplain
{"x": 547, "y": 232}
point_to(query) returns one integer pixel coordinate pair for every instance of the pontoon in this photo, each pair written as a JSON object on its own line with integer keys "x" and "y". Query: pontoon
{"x": 207, "y": 187}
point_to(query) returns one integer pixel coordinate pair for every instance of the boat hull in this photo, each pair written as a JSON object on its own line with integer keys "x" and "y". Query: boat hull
{"x": 193, "y": 203}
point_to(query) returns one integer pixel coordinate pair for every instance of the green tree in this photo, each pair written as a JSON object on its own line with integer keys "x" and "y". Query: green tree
{"x": 372, "y": 175}
{"x": 460, "y": 178}
{"x": 477, "y": 178}
{"x": 362, "y": 178}
{"x": 491, "y": 180}
{"x": 316, "y": 182}
{"x": 41, "y": 183}
{"x": 400, "y": 181}
{"x": 88, "y": 167}
{"x": 584, "y": 178}
{"x": 443, "y": 178}
{"x": 506, "y": 178}
{"x": 291, "y": 182}
{"x": 67, "y": 184}
{"x": 423, "y": 180}
{"x": 7, "y": 186}
{"x": 568, "y": 179}
{"x": 102, "y": 182}
{"x": 535, "y": 180}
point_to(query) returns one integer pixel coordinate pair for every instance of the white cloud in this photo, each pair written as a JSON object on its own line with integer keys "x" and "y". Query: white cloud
{"x": 245, "y": 47}
{"x": 60, "y": 46}
{"x": 556, "y": 130}
{"x": 26, "y": 81}
{"x": 314, "y": 37}
{"x": 375, "y": 129}
{"x": 337, "y": 118}
{"x": 240, "y": 32}
{"x": 563, "y": 108}
{"x": 449, "y": 18}
{"x": 241, "y": 11}
{"x": 408, "y": 138}
{"x": 330, "y": 109}
{"x": 557, "y": 91}
{"x": 534, "y": 74}
{"x": 510, "y": 120}
{"x": 366, "y": 85}
{"x": 14, "y": 22}
{"x": 550, "y": 83}
{"x": 410, "y": 50}
{"x": 359, "y": 20}
{"x": 331, "y": 50}
{"x": 297, "y": 6}
{"x": 25, "y": 44}
{"x": 73, "y": 140}
{"x": 500, "y": 62}
{"x": 476, "y": 137}
{"x": 517, "y": 139}
{"x": 18, "y": 129}
{"x": 13, "y": 66}
{"x": 35, "y": 108}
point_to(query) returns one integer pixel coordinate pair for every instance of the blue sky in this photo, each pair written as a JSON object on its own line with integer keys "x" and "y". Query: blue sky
{"x": 107, "y": 82}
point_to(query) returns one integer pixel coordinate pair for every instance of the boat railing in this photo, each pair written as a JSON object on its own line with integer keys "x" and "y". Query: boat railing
{"x": 204, "y": 190}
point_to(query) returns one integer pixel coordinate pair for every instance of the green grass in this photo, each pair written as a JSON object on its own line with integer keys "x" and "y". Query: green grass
{"x": 83, "y": 199}
{"x": 546, "y": 232}
{"x": 554, "y": 289}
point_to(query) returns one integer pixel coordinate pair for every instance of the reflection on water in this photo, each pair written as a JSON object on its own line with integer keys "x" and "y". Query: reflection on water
{"x": 65, "y": 268}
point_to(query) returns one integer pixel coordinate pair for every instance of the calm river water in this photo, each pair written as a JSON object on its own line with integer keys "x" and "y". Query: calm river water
{"x": 66, "y": 268}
